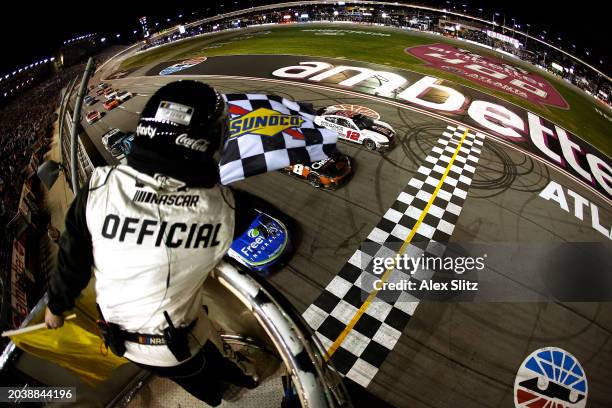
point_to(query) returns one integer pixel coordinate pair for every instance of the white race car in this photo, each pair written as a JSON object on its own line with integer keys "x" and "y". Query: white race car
{"x": 123, "y": 95}
{"x": 357, "y": 128}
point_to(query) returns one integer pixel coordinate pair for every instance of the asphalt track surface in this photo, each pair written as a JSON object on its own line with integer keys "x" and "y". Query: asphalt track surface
{"x": 450, "y": 354}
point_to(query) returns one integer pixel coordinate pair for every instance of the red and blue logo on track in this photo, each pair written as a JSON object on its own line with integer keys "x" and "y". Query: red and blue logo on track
{"x": 550, "y": 378}
{"x": 180, "y": 66}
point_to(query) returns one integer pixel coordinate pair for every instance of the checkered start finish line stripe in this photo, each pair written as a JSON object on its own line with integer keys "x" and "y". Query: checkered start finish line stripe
{"x": 357, "y": 332}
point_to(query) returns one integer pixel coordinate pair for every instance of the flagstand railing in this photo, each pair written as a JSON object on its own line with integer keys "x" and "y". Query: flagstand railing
{"x": 247, "y": 306}
{"x": 316, "y": 382}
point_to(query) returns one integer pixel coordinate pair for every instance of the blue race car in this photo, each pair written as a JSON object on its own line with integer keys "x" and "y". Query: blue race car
{"x": 264, "y": 246}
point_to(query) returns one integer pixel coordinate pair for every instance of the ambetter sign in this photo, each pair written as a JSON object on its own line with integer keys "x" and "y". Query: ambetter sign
{"x": 490, "y": 72}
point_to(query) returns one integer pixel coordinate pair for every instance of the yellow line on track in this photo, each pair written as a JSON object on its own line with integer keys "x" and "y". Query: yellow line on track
{"x": 342, "y": 336}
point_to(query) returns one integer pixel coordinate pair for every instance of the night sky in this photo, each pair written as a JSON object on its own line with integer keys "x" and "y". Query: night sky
{"x": 34, "y": 30}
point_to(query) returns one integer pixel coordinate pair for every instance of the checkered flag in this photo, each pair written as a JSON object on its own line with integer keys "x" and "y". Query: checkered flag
{"x": 269, "y": 132}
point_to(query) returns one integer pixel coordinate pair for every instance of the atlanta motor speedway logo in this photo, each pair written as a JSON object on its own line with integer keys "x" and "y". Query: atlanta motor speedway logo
{"x": 550, "y": 378}
{"x": 371, "y": 113}
{"x": 180, "y": 66}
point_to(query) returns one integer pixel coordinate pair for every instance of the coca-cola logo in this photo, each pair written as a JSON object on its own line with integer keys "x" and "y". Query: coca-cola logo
{"x": 201, "y": 145}
{"x": 490, "y": 72}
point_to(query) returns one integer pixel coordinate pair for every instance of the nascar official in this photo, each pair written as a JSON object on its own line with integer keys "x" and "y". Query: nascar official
{"x": 151, "y": 231}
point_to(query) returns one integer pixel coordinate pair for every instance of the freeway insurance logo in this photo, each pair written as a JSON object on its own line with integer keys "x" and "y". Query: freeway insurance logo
{"x": 550, "y": 378}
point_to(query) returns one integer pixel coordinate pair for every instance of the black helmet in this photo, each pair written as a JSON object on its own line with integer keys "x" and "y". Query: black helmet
{"x": 183, "y": 120}
{"x": 183, "y": 125}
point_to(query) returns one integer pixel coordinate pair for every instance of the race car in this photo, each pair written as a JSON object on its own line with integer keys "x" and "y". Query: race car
{"x": 124, "y": 146}
{"x": 113, "y": 141}
{"x": 123, "y": 96}
{"x": 111, "y": 104}
{"x": 328, "y": 173}
{"x": 110, "y": 93}
{"x": 90, "y": 100}
{"x": 355, "y": 127}
{"x": 93, "y": 116}
{"x": 265, "y": 245}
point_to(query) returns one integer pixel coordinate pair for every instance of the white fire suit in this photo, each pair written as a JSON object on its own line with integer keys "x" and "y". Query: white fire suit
{"x": 151, "y": 242}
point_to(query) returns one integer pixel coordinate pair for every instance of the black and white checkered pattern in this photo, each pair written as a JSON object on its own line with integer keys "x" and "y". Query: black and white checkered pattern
{"x": 251, "y": 154}
{"x": 377, "y": 331}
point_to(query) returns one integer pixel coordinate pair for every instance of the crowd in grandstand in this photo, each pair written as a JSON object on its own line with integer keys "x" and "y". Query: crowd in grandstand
{"x": 23, "y": 122}
{"x": 25, "y": 131}
{"x": 530, "y": 50}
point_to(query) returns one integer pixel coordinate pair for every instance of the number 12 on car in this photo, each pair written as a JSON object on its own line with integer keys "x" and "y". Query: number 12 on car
{"x": 352, "y": 135}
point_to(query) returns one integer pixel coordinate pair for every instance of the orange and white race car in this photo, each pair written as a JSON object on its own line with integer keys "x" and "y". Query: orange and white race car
{"x": 328, "y": 173}
{"x": 111, "y": 104}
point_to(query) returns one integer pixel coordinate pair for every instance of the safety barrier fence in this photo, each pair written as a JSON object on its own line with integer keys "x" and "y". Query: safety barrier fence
{"x": 84, "y": 163}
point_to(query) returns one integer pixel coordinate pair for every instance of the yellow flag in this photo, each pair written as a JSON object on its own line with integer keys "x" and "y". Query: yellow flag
{"x": 75, "y": 346}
